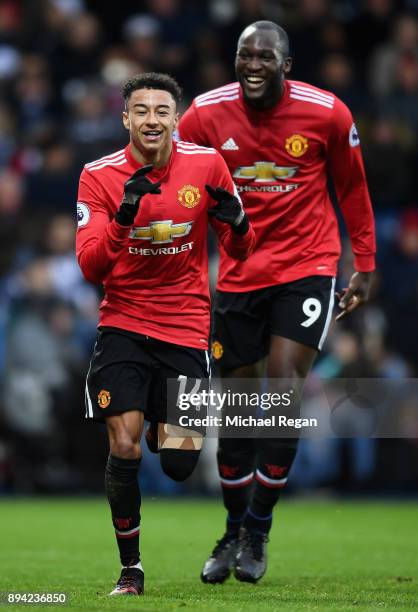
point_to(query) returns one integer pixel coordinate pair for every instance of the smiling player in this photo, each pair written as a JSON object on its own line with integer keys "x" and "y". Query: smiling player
{"x": 280, "y": 139}
{"x": 142, "y": 233}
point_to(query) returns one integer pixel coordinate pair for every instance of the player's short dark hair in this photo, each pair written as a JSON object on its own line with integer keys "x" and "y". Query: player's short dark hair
{"x": 152, "y": 80}
{"x": 281, "y": 33}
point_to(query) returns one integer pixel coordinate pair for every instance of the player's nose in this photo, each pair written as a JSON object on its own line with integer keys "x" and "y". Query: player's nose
{"x": 152, "y": 119}
{"x": 254, "y": 65}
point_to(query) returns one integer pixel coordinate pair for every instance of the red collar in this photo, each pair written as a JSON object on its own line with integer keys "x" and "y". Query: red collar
{"x": 157, "y": 174}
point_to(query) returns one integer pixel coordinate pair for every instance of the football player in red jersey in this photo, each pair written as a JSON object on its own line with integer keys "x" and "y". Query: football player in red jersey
{"x": 142, "y": 233}
{"x": 280, "y": 139}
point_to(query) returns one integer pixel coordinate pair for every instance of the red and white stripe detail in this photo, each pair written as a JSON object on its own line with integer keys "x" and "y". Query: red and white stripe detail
{"x": 299, "y": 92}
{"x": 329, "y": 314}
{"x": 116, "y": 159}
{"x": 273, "y": 483}
{"x": 189, "y": 148}
{"x": 105, "y": 158}
{"x": 239, "y": 482}
{"x": 127, "y": 534}
{"x": 221, "y": 94}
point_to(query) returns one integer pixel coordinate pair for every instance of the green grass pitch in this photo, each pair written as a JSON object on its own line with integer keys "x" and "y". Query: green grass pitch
{"x": 322, "y": 556}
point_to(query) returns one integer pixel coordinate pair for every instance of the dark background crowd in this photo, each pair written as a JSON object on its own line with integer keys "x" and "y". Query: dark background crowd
{"x": 62, "y": 63}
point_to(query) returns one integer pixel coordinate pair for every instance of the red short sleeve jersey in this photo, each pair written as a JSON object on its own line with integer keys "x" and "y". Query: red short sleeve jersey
{"x": 155, "y": 273}
{"x": 280, "y": 160}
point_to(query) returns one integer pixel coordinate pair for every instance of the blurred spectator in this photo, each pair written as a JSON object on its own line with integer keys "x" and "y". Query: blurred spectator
{"x": 402, "y": 103}
{"x": 90, "y": 126}
{"x": 308, "y": 31}
{"x": 34, "y": 96}
{"x": 54, "y": 185}
{"x": 11, "y": 203}
{"x": 8, "y": 143}
{"x": 368, "y": 29}
{"x": 142, "y": 35}
{"x": 336, "y": 74}
{"x": 42, "y": 361}
{"x": 399, "y": 288}
{"x": 389, "y": 158}
{"x": 385, "y": 60}
{"x": 78, "y": 53}
{"x": 178, "y": 24}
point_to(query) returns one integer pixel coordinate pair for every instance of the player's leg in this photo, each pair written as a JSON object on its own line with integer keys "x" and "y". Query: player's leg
{"x": 179, "y": 447}
{"x": 116, "y": 392}
{"x": 291, "y": 361}
{"x": 301, "y": 315}
{"x": 240, "y": 341}
{"x": 124, "y": 496}
{"x": 236, "y": 457}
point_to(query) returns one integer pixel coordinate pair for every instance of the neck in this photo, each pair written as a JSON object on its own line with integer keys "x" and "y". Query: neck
{"x": 269, "y": 101}
{"x": 158, "y": 159}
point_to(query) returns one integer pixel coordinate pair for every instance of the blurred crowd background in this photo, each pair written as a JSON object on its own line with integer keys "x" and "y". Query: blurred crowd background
{"x": 62, "y": 63}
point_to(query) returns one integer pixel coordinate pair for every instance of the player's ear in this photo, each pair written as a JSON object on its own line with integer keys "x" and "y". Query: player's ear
{"x": 287, "y": 65}
{"x": 176, "y": 120}
{"x": 126, "y": 121}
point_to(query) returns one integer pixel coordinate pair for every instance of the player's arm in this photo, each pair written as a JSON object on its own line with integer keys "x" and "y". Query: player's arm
{"x": 347, "y": 171}
{"x": 191, "y": 129}
{"x": 100, "y": 238}
{"x": 227, "y": 214}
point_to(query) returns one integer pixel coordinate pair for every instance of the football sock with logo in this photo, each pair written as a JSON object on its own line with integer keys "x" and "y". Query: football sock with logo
{"x": 123, "y": 493}
{"x": 274, "y": 460}
{"x": 236, "y": 459}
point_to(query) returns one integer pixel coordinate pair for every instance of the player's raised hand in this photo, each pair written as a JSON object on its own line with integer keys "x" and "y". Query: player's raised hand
{"x": 135, "y": 188}
{"x": 355, "y": 294}
{"x": 228, "y": 209}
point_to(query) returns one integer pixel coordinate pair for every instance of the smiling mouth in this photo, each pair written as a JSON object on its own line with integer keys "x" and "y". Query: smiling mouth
{"x": 254, "y": 82}
{"x": 152, "y": 135}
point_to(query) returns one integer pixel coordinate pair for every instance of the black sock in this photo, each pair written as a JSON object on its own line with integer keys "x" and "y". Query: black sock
{"x": 274, "y": 460}
{"x": 122, "y": 489}
{"x": 256, "y": 522}
{"x": 236, "y": 469}
{"x": 233, "y": 522}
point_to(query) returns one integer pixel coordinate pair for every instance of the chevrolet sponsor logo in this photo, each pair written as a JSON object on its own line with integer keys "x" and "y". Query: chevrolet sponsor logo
{"x": 161, "y": 232}
{"x": 265, "y": 172}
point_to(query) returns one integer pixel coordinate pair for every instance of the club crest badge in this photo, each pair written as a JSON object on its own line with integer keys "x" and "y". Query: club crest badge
{"x": 103, "y": 399}
{"x": 296, "y": 145}
{"x": 217, "y": 349}
{"x": 189, "y": 196}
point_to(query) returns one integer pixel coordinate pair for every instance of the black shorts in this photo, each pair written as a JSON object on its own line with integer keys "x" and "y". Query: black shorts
{"x": 129, "y": 371}
{"x": 243, "y": 322}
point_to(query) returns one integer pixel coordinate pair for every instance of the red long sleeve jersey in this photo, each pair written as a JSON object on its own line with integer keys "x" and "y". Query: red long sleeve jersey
{"x": 279, "y": 160}
{"x": 155, "y": 273}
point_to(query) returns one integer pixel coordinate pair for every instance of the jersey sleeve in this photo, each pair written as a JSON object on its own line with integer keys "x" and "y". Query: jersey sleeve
{"x": 347, "y": 170}
{"x": 236, "y": 245}
{"x": 100, "y": 240}
{"x": 191, "y": 128}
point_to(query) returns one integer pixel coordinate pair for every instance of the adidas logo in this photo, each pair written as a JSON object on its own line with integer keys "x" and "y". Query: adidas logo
{"x": 230, "y": 145}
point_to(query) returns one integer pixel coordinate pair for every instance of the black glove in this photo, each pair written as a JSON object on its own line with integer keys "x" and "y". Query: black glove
{"x": 136, "y": 186}
{"x": 228, "y": 209}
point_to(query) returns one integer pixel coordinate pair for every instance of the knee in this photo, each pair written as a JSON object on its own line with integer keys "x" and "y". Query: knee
{"x": 124, "y": 447}
{"x": 178, "y": 464}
